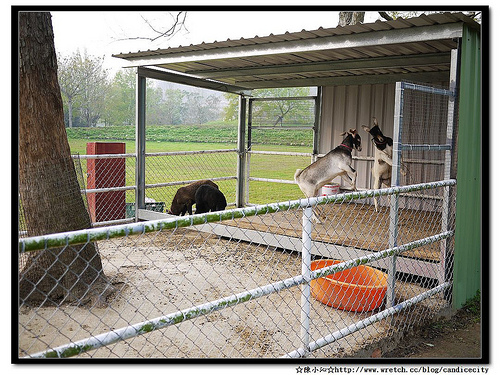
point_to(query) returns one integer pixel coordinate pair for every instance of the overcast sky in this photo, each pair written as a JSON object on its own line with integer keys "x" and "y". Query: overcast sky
{"x": 107, "y": 33}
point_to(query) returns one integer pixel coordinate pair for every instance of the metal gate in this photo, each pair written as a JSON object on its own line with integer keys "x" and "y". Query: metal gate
{"x": 424, "y": 123}
{"x": 297, "y": 119}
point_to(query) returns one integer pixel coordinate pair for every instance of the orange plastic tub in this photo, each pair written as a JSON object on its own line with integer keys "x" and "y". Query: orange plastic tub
{"x": 359, "y": 289}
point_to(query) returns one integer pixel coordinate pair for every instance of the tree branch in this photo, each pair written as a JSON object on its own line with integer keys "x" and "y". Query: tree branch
{"x": 385, "y": 16}
{"x": 179, "y": 23}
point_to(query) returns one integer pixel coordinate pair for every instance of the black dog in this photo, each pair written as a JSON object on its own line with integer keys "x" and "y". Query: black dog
{"x": 208, "y": 198}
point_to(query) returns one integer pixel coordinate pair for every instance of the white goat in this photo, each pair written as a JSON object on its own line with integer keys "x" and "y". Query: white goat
{"x": 382, "y": 166}
{"x": 335, "y": 163}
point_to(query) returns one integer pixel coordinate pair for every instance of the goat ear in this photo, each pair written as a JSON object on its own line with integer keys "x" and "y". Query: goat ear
{"x": 342, "y": 134}
{"x": 367, "y": 129}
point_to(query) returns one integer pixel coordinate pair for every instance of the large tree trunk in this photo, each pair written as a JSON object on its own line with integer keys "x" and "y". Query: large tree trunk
{"x": 351, "y": 18}
{"x": 48, "y": 185}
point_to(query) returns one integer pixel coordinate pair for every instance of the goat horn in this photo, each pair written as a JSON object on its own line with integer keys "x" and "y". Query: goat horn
{"x": 352, "y": 131}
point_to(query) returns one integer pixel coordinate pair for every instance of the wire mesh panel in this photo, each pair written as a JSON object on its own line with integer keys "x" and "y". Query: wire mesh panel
{"x": 291, "y": 121}
{"x": 426, "y": 135}
{"x": 298, "y": 112}
{"x": 225, "y": 285}
{"x": 109, "y": 182}
{"x": 261, "y": 281}
{"x": 169, "y": 171}
{"x": 271, "y": 176}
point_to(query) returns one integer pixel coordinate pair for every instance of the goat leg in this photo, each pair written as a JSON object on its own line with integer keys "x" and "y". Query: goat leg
{"x": 315, "y": 209}
{"x": 376, "y": 185}
{"x": 350, "y": 176}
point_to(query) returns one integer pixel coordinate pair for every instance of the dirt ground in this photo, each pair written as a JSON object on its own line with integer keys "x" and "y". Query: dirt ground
{"x": 455, "y": 337}
{"x": 160, "y": 273}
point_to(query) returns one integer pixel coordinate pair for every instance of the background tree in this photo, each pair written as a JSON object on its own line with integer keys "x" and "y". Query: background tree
{"x": 155, "y": 109}
{"x": 70, "y": 81}
{"x": 351, "y": 18}
{"x": 213, "y": 105}
{"x": 83, "y": 83}
{"x": 197, "y": 111}
{"x": 50, "y": 194}
{"x": 389, "y": 16}
{"x": 282, "y": 109}
{"x": 272, "y": 112}
{"x": 157, "y": 30}
{"x": 120, "y": 102}
{"x": 230, "y": 111}
{"x": 173, "y": 105}
{"x": 93, "y": 96}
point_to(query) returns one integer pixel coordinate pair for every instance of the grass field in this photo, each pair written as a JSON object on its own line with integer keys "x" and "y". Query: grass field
{"x": 221, "y": 133}
{"x": 214, "y": 136}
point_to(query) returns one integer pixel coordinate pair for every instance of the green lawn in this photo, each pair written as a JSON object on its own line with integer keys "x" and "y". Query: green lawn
{"x": 193, "y": 167}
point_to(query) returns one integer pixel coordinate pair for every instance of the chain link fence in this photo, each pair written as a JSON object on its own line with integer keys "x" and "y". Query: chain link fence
{"x": 108, "y": 181}
{"x": 233, "y": 284}
{"x": 259, "y": 281}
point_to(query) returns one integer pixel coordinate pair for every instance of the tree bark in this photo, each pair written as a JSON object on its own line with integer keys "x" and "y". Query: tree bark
{"x": 351, "y": 18}
{"x": 48, "y": 185}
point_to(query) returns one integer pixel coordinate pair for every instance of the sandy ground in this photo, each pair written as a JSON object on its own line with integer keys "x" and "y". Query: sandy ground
{"x": 460, "y": 336}
{"x": 161, "y": 273}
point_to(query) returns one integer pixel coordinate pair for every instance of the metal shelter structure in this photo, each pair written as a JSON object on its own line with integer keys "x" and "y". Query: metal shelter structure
{"x": 422, "y": 49}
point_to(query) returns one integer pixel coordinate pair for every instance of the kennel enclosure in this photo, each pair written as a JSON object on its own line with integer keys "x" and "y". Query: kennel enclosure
{"x": 358, "y": 70}
{"x": 356, "y": 67}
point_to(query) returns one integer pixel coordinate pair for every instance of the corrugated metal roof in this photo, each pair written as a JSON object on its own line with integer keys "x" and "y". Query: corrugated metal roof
{"x": 376, "y": 51}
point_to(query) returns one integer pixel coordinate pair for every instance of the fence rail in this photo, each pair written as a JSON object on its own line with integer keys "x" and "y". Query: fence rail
{"x": 166, "y": 171}
{"x": 162, "y": 182}
{"x": 307, "y": 347}
{"x": 95, "y": 234}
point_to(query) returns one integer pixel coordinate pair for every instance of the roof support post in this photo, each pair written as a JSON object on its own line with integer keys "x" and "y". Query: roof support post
{"x": 446, "y": 246}
{"x": 241, "y": 177}
{"x": 140, "y": 144}
{"x": 395, "y": 181}
{"x": 317, "y": 120}
{"x": 248, "y": 150}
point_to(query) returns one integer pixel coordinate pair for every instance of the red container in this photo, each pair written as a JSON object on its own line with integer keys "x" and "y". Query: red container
{"x": 359, "y": 289}
{"x": 106, "y": 173}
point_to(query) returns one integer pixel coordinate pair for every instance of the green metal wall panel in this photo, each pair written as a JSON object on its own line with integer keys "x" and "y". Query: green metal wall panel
{"x": 468, "y": 250}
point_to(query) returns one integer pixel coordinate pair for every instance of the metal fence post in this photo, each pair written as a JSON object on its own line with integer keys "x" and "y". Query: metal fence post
{"x": 396, "y": 166}
{"x": 318, "y": 103}
{"x": 140, "y": 144}
{"x": 446, "y": 256}
{"x": 240, "y": 189}
{"x": 248, "y": 152}
{"x": 305, "y": 313}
